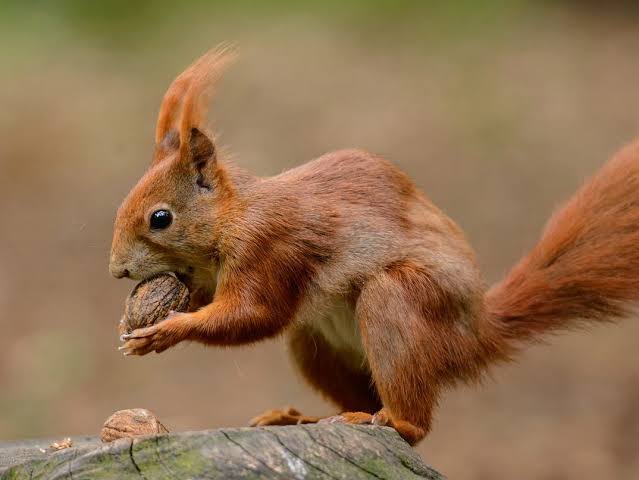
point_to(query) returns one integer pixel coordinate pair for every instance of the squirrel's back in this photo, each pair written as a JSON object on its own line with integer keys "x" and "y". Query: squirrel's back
{"x": 373, "y": 212}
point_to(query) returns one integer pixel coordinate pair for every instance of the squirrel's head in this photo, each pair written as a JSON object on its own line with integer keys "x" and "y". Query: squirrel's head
{"x": 167, "y": 221}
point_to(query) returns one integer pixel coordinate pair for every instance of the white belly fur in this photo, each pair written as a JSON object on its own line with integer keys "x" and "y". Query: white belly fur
{"x": 335, "y": 320}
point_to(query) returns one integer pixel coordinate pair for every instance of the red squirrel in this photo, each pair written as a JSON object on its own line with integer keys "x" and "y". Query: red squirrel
{"x": 376, "y": 290}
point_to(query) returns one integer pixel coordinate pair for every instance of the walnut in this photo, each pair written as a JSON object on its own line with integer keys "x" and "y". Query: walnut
{"x": 151, "y": 301}
{"x": 131, "y": 423}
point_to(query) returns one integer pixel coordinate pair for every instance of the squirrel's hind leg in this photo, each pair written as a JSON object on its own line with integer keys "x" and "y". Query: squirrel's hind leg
{"x": 329, "y": 372}
{"x": 418, "y": 338}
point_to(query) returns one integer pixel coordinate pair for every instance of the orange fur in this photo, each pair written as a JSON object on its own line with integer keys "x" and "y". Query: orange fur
{"x": 586, "y": 266}
{"x": 377, "y": 289}
{"x": 186, "y": 102}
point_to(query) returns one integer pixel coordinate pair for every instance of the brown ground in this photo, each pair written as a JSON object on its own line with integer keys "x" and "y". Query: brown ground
{"x": 497, "y": 117}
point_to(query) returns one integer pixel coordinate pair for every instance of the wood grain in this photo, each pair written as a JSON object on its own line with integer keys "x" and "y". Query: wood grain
{"x": 297, "y": 452}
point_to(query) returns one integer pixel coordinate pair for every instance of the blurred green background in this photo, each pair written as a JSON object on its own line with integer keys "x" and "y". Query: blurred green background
{"x": 498, "y": 110}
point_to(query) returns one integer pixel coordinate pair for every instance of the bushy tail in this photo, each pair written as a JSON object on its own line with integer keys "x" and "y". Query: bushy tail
{"x": 585, "y": 268}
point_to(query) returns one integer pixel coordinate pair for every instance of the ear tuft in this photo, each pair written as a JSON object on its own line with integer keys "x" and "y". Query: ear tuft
{"x": 185, "y": 105}
{"x": 201, "y": 148}
{"x": 206, "y": 73}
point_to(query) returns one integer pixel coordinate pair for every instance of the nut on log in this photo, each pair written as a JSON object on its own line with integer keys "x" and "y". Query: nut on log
{"x": 151, "y": 301}
{"x": 131, "y": 423}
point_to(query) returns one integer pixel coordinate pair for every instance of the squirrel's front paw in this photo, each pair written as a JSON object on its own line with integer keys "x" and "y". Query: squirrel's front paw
{"x": 158, "y": 337}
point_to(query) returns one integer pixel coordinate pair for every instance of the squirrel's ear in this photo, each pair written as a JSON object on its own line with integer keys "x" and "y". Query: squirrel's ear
{"x": 184, "y": 107}
{"x": 201, "y": 148}
{"x": 195, "y": 102}
{"x": 185, "y": 104}
{"x": 167, "y": 145}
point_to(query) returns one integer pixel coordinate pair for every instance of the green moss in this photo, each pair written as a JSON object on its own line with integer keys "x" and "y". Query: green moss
{"x": 15, "y": 473}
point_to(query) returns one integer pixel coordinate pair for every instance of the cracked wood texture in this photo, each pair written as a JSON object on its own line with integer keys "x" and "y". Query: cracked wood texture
{"x": 300, "y": 452}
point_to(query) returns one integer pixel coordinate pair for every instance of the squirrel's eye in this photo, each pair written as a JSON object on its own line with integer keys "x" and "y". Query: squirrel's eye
{"x": 161, "y": 219}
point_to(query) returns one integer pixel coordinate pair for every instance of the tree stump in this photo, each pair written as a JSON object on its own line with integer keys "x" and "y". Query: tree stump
{"x": 325, "y": 451}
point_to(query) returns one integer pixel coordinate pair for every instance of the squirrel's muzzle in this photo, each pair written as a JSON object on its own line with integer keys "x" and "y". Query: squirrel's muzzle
{"x": 118, "y": 270}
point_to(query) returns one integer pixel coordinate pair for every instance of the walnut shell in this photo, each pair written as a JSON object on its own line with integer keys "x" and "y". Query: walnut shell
{"x": 151, "y": 301}
{"x": 131, "y": 423}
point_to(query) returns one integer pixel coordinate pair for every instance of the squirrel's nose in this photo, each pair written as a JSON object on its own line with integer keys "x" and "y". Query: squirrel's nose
{"x": 118, "y": 271}
{"x": 121, "y": 273}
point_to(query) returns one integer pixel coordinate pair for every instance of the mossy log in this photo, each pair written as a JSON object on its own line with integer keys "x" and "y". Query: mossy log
{"x": 299, "y": 452}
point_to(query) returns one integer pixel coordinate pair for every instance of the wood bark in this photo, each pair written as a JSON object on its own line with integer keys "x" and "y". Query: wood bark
{"x": 300, "y": 452}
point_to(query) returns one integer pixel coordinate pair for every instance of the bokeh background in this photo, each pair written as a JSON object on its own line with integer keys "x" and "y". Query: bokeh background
{"x": 498, "y": 110}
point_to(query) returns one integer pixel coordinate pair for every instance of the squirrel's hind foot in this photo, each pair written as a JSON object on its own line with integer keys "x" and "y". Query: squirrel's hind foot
{"x": 409, "y": 432}
{"x": 288, "y": 416}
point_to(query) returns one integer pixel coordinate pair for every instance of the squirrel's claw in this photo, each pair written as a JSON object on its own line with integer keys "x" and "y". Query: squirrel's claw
{"x": 141, "y": 332}
{"x": 140, "y": 341}
{"x": 156, "y": 338}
